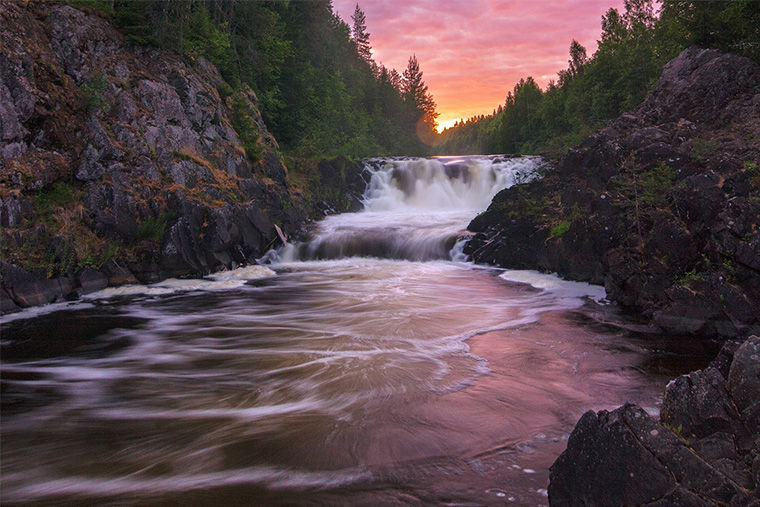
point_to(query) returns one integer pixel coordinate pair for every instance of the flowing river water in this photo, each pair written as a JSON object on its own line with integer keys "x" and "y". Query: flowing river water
{"x": 369, "y": 365}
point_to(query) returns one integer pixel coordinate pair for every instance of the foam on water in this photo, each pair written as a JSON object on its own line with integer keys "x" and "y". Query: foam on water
{"x": 571, "y": 292}
{"x": 218, "y": 281}
{"x": 414, "y": 209}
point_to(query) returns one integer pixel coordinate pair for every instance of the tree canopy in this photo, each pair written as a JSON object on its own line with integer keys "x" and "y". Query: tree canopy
{"x": 320, "y": 92}
{"x": 634, "y": 45}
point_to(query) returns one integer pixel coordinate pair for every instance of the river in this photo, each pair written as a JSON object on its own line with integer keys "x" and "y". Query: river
{"x": 368, "y": 365}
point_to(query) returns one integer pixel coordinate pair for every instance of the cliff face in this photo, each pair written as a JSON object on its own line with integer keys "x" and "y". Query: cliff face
{"x": 121, "y": 164}
{"x": 662, "y": 206}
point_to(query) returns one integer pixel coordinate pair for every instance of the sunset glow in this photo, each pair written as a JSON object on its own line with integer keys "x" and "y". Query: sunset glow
{"x": 472, "y": 53}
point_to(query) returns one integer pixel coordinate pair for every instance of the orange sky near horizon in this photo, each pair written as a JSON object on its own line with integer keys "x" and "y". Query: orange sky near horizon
{"x": 472, "y": 52}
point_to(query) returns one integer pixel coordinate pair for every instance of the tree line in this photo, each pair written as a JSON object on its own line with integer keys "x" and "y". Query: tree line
{"x": 320, "y": 91}
{"x": 634, "y": 46}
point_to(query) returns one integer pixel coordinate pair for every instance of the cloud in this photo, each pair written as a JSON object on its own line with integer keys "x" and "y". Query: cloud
{"x": 472, "y": 52}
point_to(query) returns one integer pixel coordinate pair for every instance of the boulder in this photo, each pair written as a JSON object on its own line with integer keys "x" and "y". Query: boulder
{"x": 704, "y": 450}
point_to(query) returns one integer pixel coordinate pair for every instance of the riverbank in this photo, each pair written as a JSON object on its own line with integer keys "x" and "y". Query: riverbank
{"x": 662, "y": 207}
{"x": 123, "y": 164}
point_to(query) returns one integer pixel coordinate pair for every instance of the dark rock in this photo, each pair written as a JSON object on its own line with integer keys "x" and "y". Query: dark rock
{"x": 146, "y": 141}
{"x": 658, "y": 206}
{"x": 698, "y": 405}
{"x": 117, "y": 275}
{"x": 25, "y": 289}
{"x": 625, "y": 457}
{"x": 605, "y": 464}
{"x": 91, "y": 280}
{"x": 744, "y": 381}
{"x": 7, "y": 305}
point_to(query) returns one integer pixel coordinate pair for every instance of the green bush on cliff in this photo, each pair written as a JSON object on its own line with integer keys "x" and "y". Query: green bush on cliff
{"x": 559, "y": 230}
{"x": 152, "y": 228}
{"x": 92, "y": 93}
{"x": 246, "y": 129}
{"x": 655, "y": 184}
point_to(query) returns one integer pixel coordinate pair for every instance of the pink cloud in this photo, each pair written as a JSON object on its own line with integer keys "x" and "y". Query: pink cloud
{"x": 472, "y": 52}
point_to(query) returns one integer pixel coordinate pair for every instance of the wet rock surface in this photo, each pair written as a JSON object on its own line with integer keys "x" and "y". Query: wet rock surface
{"x": 115, "y": 155}
{"x": 703, "y": 451}
{"x": 662, "y": 207}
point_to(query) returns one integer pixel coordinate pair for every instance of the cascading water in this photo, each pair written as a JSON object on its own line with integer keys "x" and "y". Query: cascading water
{"x": 414, "y": 209}
{"x": 364, "y": 378}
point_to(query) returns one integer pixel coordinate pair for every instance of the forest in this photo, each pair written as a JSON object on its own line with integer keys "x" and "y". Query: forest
{"x": 632, "y": 49}
{"x": 320, "y": 91}
{"x": 322, "y": 94}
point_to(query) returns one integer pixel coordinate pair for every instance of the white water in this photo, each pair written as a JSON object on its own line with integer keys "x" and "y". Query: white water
{"x": 348, "y": 373}
{"x": 415, "y": 209}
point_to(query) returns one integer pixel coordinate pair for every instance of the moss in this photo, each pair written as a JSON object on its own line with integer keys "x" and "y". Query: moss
{"x": 655, "y": 184}
{"x": 47, "y": 200}
{"x": 224, "y": 90}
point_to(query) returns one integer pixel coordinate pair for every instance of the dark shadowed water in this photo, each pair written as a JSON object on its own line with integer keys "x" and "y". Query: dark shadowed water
{"x": 350, "y": 381}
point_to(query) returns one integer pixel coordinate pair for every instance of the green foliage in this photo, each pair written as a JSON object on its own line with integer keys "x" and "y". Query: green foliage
{"x": 689, "y": 278}
{"x": 47, "y": 200}
{"x": 97, "y": 7}
{"x": 319, "y": 91}
{"x": 92, "y": 93}
{"x": 754, "y": 173}
{"x": 559, "y": 230}
{"x": 655, "y": 184}
{"x": 634, "y": 46}
{"x": 246, "y": 129}
{"x": 732, "y": 26}
{"x": 224, "y": 90}
{"x": 181, "y": 155}
{"x": 152, "y": 228}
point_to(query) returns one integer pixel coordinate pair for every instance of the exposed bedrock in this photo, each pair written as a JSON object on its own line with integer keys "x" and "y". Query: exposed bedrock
{"x": 136, "y": 163}
{"x": 662, "y": 206}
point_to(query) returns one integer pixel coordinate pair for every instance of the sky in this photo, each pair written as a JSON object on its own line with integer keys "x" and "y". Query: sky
{"x": 471, "y": 52}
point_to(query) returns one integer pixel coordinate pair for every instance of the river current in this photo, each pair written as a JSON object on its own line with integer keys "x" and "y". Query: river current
{"x": 368, "y": 365}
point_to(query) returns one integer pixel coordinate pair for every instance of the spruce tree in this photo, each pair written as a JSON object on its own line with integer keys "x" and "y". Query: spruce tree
{"x": 360, "y": 35}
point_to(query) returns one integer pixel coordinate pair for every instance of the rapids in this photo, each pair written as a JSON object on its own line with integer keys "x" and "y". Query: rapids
{"x": 367, "y": 365}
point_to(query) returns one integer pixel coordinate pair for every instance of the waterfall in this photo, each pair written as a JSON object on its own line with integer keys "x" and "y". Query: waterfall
{"x": 414, "y": 208}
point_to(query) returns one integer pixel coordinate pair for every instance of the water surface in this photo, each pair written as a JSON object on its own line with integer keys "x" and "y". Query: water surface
{"x": 366, "y": 368}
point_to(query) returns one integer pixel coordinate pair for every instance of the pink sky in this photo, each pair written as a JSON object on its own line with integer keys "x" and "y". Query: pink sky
{"x": 472, "y": 52}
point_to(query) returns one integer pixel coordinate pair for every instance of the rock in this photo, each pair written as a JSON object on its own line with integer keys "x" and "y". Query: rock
{"x": 625, "y": 457}
{"x": 27, "y": 290}
{"x": 698, "y": 405}
{"x": 134, "y": 148}
{"x": 91, "y": 280}
{"x": 117, "y": 275}
{"x": 659, "y": 206}
{"x": 744, "y": 381}
{"x": 605, "y": 464}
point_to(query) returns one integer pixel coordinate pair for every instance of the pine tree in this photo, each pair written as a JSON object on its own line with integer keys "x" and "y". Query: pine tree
{"x": 414, "y": 91}
{"x": 360, "y": 36}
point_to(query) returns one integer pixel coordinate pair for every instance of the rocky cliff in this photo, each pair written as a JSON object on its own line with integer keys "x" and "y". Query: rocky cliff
{"x": 662, "y": 206}
{"x": 121, "y": 164}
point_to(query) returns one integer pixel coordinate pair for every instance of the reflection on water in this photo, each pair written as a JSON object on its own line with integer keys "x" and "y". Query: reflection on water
{"x": 353, "y": 380}
{"x": 358, "y": 381}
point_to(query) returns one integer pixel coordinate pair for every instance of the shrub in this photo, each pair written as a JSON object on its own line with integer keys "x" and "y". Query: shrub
{"x": 92, "y": 93}
{"x": 246, "y": 130}
{"x": 152, "y": 229}
{"x": 559, "y": 230}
